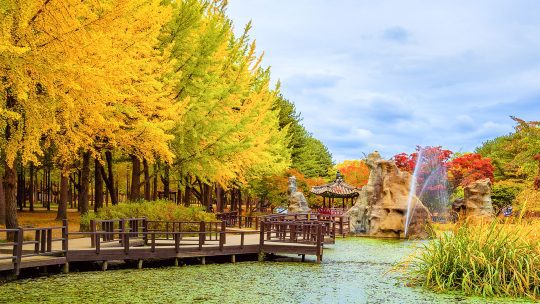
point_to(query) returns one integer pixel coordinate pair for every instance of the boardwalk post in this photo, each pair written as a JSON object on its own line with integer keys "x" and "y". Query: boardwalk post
{"x": 65, "y": 268}
{"x": 49, "y": 240}
{"x": 98, "y": 242}
{"x": 145, "y": 230}
{"x": 261, "y": 242}
{"x": 126, "y": 242}
{"x": 92, "y": 229}
{"x": 122, "y": 229}
{"x": 176, "y": 243}
{"x": 202, "y": 233}
{"x": 65, "y": 237}
{"x": 319, "y": 243}
{"x": 37, "y": 236}
{"x": 17, "y": 250}
{"x": 223, "y": 229}
{"x": 341, "y": 226}
{"x": 221, "y": 240}
{"x": 43, "y": 240}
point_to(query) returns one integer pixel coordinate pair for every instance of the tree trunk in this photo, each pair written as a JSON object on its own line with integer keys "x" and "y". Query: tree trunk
{"x": 70, "y": 192}
{"x": 10, "y": 178}
{"x": 233, "y": 200}
{"x": 135, "y": 192}
{"x": 187, "y": 195}
{"x": 109, "y": 178}
{"x": 239, "y": 202}
{"x": 208, "y": 193}
{"x": 62, "y": 206}
{"x": 49, "y": 189}
{"x": 31, "y": 189}
{"x": 10, "y": 191}
{"x": 219, "y": 198}
{"x": 2, "y": 202}
{"x": 166, "y": 180}
{"x": 146, "y": 171}
{"x": 20, "y": 187}
{"x": 154, "y": 191}
{"x": 98, "y": 186}
{"x": 84, "y": 183}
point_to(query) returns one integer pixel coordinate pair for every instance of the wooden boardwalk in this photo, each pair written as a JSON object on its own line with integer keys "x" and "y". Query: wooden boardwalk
{"x": 139, "y": 239}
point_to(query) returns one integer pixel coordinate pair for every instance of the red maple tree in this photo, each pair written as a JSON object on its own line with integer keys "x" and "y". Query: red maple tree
{"x": 468, "y": 168}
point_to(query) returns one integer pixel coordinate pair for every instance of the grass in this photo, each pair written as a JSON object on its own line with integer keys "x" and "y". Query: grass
{"x": 501, "y": 258}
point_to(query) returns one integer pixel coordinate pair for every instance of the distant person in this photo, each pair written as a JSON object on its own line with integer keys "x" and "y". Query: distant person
{"x": 507, "y": 211}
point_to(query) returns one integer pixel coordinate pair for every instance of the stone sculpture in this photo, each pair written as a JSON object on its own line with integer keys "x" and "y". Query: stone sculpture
{"x": 381, "y": 207}
{"x": 297, "y": 201}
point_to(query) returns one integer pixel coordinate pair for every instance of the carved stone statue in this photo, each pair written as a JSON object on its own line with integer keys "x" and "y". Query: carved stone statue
{"x": 297, "y": 200}
{"x": 292, "y": 184}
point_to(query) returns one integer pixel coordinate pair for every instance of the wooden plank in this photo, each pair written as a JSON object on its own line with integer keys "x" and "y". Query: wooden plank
{"x": 42, "y": 261}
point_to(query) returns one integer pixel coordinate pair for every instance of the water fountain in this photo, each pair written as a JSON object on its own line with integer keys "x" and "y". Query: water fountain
{"x": 388, "y": 205}
{"x": 429, "y": 183}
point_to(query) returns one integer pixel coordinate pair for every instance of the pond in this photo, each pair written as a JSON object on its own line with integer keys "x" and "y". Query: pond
{"x": 354, "y": 270}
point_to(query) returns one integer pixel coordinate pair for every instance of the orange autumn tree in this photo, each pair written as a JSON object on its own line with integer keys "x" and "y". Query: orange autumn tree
{"x": 355, "y": 172}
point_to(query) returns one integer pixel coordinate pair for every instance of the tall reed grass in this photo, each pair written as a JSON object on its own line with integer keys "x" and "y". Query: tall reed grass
{"x": 486, "y": 259}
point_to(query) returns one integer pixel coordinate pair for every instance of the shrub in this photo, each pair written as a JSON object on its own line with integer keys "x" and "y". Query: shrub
{"x": 488, "y": 260}
{"x": 503, "y": 193}
{"x": 155, "y": 211}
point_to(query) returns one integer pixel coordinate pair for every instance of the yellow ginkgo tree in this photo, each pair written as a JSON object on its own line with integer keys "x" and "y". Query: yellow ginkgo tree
{"x": 79, "y": 76}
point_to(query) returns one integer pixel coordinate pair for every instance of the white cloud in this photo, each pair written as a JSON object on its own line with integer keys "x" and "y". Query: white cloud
{"x": 389, "y": 75}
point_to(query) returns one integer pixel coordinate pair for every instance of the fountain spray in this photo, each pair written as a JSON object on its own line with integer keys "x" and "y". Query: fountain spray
{"x": 412, "y": 190}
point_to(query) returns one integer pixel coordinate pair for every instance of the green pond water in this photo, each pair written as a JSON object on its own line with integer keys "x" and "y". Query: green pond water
{"x": 354, "y": 270}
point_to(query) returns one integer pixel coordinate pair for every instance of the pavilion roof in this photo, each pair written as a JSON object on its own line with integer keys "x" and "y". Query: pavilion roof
{"x": 337, "y": 188}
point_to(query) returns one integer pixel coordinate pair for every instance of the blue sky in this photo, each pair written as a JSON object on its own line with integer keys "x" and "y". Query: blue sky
{"x": 390, "y": 75}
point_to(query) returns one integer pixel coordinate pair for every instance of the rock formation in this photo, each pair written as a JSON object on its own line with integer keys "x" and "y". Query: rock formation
{"x": 382, "y": 204}
{"x": 476, "y": 203}
{"x": 297, "y": 200}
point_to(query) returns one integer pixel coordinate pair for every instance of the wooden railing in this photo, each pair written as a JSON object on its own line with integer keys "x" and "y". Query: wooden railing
{"x": 167, "y": 229}
{"x": 14, "y": 246}
{"x": 193, "y": 239}
{"x": 340, "y": 223}
{"x": 114, "y": 227}
{"x": 293, "y": 232}
{"x": 232, "y": 219}
{"x": 332, "y": 211}
{"x": 42, "y": 244}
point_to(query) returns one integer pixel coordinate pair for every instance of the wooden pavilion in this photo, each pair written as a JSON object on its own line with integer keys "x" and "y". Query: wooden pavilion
{"x": 336, "y": 189}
